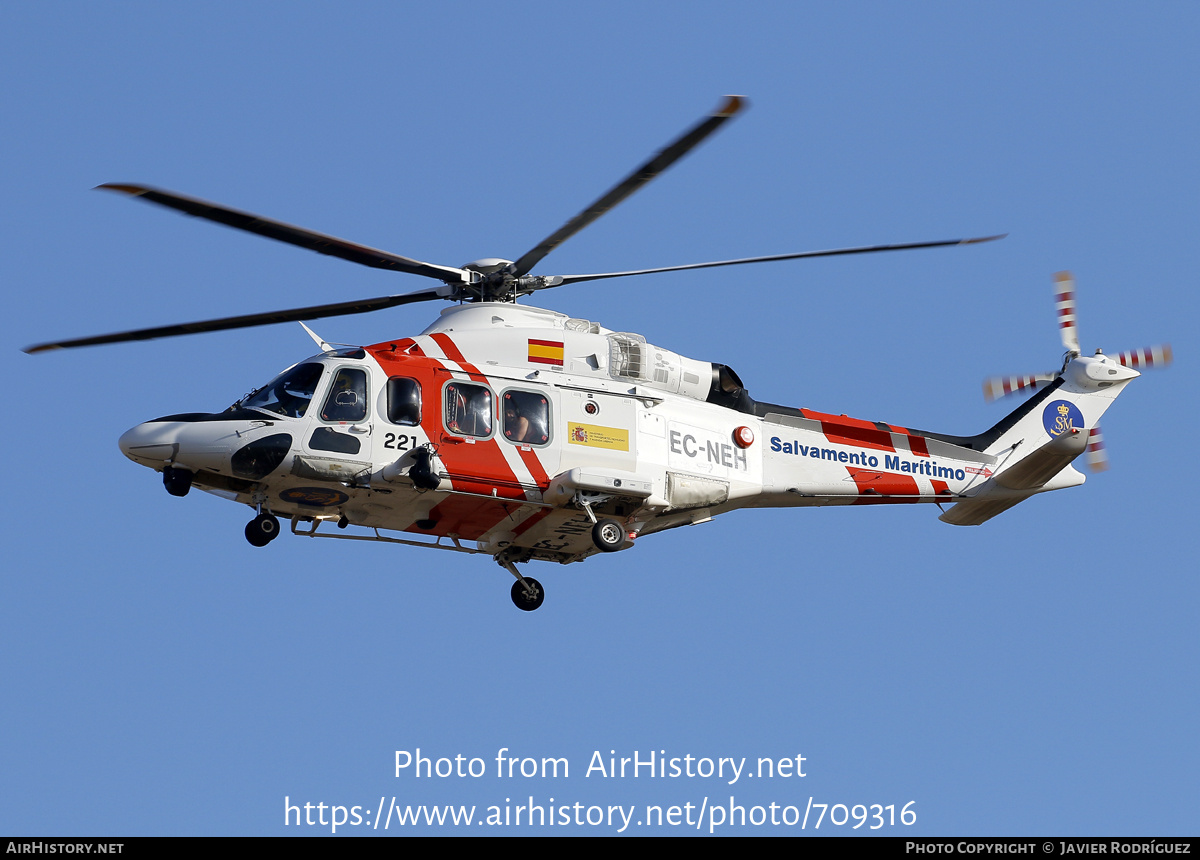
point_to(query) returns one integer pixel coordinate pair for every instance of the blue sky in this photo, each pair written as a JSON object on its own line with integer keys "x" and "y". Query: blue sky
{"x": 1036, "y": 675}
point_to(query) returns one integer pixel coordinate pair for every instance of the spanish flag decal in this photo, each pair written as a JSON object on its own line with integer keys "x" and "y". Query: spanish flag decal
{"x": 613, "y": 438}
{"x": 546, "y": 352}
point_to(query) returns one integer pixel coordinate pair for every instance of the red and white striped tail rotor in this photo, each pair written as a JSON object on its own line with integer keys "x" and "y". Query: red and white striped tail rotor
{"x": 1064, "y": 303}
{"x": 1002, "y": 386}
{"x": 1154, "y": 356}
{"x": 1097, "y": 456}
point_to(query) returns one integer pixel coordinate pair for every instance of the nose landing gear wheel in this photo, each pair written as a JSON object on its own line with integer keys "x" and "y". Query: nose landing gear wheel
{"x": 177, "y": 481}
{"x": 531, "y": 600}
{"x": 263, "y": 529}
{"x": 608, "y": 535}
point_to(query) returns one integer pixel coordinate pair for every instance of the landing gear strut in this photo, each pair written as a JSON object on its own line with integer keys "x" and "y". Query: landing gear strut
{"x": 263, "y": 529}
{"x": 607, "y": 534}
{"x": 527, "y": 593}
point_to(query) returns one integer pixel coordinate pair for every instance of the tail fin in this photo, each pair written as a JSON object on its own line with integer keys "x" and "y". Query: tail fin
{"x": 1086, "y": 389}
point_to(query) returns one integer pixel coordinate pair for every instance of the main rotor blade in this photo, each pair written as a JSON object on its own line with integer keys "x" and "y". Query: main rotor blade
{"x": 294, "y": 315}
{"x": 656, "y": 165}
{"x": 310, "y": 239}
{"x": 836, "y": 252}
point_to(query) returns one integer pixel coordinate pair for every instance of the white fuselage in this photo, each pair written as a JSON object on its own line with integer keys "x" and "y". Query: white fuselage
{"x": 496, "y": 423}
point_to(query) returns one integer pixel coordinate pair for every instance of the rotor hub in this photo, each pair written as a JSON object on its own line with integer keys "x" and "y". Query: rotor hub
{"x": 487, "y": 265}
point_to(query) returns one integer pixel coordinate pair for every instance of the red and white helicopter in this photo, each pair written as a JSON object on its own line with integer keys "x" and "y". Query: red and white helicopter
{"x": 525, "y": 434}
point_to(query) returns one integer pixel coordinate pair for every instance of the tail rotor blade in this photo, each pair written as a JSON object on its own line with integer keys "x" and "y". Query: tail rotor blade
{"x": 1003, "y": 386}
{"x": 1064, "y": 301}
{"x": 1159, "y": 355}
{"x": 1097, "y": 456}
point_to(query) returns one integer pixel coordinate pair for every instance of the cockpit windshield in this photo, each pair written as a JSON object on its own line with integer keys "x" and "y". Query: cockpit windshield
{"x": 288, "y": 394}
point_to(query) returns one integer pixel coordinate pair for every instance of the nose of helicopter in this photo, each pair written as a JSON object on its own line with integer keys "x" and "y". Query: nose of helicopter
{"x": 151, "y": 442}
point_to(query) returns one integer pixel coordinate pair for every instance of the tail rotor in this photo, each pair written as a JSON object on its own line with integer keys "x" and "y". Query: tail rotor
{"x": 1064, "y": 303}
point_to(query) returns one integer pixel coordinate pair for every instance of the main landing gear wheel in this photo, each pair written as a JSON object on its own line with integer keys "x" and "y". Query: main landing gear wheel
{"x": 263, "y": 529}
{"x": 608, "y": 535}
{"x": 531, "y": 599}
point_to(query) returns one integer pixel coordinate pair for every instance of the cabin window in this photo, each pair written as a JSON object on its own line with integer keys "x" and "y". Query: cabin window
{"x": 526, "y": 418}
{"x": 404, "y": 401}
{"x": 347, "y": 398}
{"x": 328, "y": 439}
{"x": 261, "y": 457}
{"x": 468, "y": 409}
{"x": 289, "y": 393}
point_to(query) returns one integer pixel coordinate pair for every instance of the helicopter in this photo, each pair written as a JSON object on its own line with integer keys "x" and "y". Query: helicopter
{"x": 528, "y": 435}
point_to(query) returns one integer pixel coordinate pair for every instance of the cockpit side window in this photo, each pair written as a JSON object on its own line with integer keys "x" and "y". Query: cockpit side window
{"x": 289, "y": 393}
{"x": 404, "y": 401}
{"x": 468, "y": 409}
{"x": 526, "y": 418}
{"x": 347, "y": 398}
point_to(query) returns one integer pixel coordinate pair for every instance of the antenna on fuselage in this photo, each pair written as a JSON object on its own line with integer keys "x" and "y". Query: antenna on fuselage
{"x": 316, "y": 337}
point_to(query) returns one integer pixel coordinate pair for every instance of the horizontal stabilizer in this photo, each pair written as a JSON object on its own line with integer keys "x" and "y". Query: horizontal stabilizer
{"x": 1026, "y": 477}
{"x": 975, "y": 512}
{"x": 1044, "y": 463}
